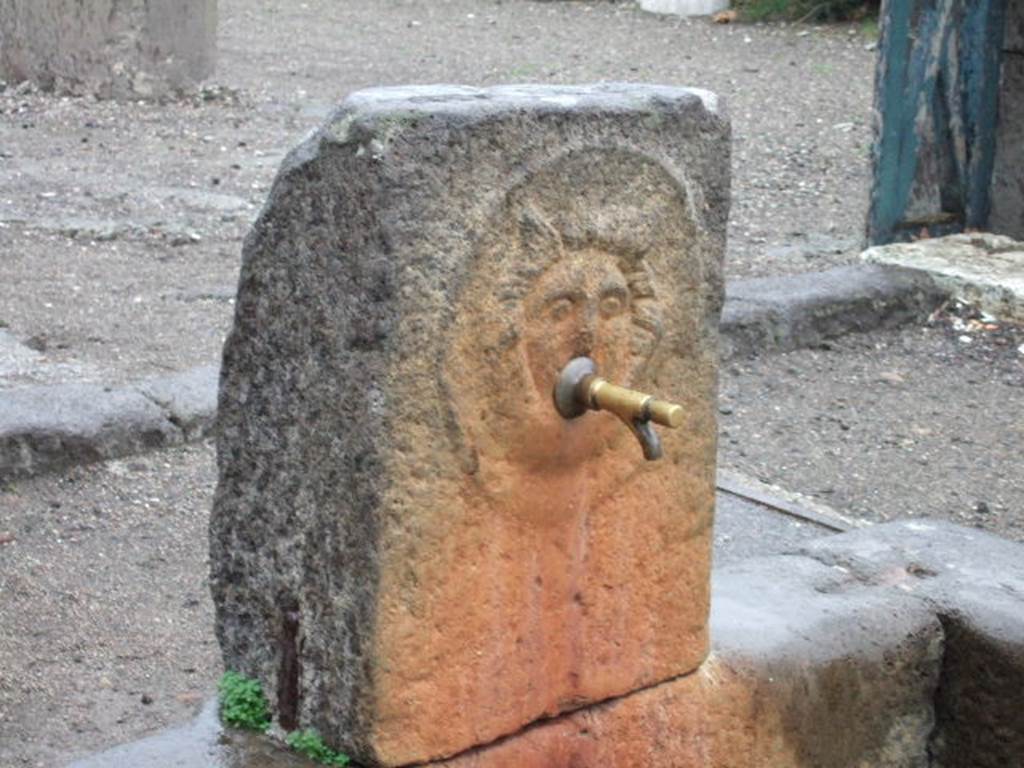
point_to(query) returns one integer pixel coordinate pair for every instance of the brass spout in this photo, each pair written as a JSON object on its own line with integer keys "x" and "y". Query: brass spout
{"x": 580, "y": 389}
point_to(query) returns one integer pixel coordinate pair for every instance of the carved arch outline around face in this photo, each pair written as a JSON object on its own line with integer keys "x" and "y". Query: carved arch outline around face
{"x": 600, "y": 220}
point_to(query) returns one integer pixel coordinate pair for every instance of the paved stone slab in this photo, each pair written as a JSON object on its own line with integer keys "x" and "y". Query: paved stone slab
{"x": 777, "y": 499}
{"x": 983, "y": 269}
{"x": 405, "y": 528}
{"x": 745, "y": 529}
{"x": 189, "y": 399}
{"x": 777, "y": 314}
{"x": 15, "y": 358}
{"x": 48, "y": 427}
{"x": 975, "y": 581}
{"x": 202, "y": 743}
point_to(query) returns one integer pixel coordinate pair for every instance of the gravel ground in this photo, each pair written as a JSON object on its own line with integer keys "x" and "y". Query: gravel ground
{"x": 121, "y": 224}
{"x": 120, "y": 229}
{"x": 107, "y": 630}
{"x": 921, "y": 422}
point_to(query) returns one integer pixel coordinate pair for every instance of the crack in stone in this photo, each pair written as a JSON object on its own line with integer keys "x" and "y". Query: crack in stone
{"x": 165, "y": 409}
{"x": 534, "y": 724}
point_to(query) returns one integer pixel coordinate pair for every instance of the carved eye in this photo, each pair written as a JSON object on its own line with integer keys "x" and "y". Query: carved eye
{"x": 560, "y": 308}
{"x": 612, "y": 304}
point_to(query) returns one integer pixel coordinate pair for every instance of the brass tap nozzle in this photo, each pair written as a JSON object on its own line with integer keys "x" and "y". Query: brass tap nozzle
{"x": 580, "y": 389}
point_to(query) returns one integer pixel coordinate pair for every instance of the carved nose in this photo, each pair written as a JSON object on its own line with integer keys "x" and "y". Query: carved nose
{"x": 587, "y": 332}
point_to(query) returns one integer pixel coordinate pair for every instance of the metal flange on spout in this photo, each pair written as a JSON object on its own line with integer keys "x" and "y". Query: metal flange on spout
{"x": 579, "y": 389}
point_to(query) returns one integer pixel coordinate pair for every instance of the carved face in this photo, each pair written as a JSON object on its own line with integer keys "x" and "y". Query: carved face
{"x": 511, "y": 348}
{"x": 560, "y": 276}
{"x": 581, "y": 306}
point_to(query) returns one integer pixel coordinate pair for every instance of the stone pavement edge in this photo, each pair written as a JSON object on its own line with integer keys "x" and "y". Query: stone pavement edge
{"x": 48, "y": 427}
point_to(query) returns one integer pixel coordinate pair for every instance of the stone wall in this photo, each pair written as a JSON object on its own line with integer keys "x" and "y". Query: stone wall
{"x": 1008, "y": 176}
{"x": 111, "y": 48}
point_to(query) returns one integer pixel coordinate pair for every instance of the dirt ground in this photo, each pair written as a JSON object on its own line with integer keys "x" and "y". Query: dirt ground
{"x": 121, "y": 224}
{"x": 107, "y": 629}
{"x": 923, "y": 422}
{"x": 120, "y": 232}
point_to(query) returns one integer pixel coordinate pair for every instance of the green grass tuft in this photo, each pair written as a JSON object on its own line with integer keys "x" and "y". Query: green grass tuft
{"x": 869, "y": 28}
{"x": 763, "y": 10}
{"x": 806, "y": 10}
{"x": 242, "y": 703}
{"x": 309, "y": 743}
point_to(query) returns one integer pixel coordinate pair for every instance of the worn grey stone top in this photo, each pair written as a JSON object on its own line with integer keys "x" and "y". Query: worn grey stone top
{"x": 463, "y": 99}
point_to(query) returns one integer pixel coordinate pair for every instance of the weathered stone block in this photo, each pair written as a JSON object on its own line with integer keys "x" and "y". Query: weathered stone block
{"x": 984, "y": 269}
{"x": 764, "y": 314}
{"x": 410, "y": 547}
{"x": 119, "y": 48}
{"x": 43, "y": 428}
{"x": 812, "y": 668}
{"x": 974, "y": 581}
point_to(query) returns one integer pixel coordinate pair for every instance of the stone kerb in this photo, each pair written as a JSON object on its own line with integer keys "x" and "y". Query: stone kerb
{"x": 981, "y": 268}
{"x": 410, "y": 548}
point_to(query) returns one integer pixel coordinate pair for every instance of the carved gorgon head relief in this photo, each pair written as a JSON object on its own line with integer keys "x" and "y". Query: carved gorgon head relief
{"x": 565, "y": 269}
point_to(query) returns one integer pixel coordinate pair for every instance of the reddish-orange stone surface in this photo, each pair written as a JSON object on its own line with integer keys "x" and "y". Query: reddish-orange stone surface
{"x": 545, "y": 565}
{"x": 710, "y": 719}
{"x": 543, "y": 618}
